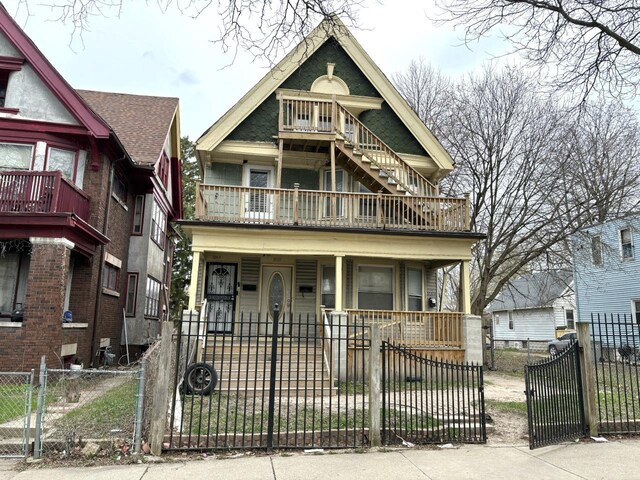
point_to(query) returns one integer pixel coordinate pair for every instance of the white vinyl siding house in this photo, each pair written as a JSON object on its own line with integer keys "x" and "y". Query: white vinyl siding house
{"x": 532, "y": 308}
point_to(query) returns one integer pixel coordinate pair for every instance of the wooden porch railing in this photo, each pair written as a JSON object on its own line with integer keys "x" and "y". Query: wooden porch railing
{"x": 315, "y": 116}
{"x": 41, "y": 192}
{"x": 330, "y": 209}
{"x": 415, "y": 329}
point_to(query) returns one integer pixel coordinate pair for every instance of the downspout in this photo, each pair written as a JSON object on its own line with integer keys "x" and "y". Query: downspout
{"x": 105, "y": 229}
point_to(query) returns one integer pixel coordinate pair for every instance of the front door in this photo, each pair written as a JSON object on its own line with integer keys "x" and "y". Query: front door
{"x": 220, "y": 292}
{"x": 276, "y": 289}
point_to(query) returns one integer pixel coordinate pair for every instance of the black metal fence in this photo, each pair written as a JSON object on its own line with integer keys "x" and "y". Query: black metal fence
{"x": 554, "y": 398}
{"x": 239, "y": 386}
{"x": 616, "y": 342}
{"x": 430, "y": 401}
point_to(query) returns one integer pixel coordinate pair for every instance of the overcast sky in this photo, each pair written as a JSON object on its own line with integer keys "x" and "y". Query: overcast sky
{"x": 149, "y": 52}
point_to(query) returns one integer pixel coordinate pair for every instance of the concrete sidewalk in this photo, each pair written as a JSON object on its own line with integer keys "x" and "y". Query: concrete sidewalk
{"x": 613, "y": 460}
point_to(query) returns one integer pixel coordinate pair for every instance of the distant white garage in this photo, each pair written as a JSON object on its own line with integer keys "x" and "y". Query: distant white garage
{"x": 534, "y": 309}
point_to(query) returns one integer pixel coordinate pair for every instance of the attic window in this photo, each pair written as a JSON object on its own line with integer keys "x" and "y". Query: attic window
{"x": 7, "y": 66}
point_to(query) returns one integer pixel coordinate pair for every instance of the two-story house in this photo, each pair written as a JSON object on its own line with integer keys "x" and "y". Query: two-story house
{"x": 88, "y": 184}
{"x": 320, "y": 193}
{"x": 606, "y": 268}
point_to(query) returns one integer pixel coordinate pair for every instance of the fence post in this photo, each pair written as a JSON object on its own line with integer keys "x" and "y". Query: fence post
{"x": 588, "y": 377}
{"x": 473, "y": 340}
{"x": 42, "y": 382}
{"x": 272, "y": 376}
{"x": 137, "y": 434}
{"x": 374, "y": 387}
{"x": 27, "y": 419}
{"x": 160, "y": 399}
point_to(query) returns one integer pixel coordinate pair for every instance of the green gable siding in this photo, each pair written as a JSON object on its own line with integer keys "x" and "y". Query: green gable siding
{"x": 316, "y": 66}
{"x": 386, "y": 124}
{"x": 262, "y": 124}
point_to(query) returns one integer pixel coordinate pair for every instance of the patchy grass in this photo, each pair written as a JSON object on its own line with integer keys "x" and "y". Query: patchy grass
{"x": 511, "y": 361}
{"x": 618, "y": 391}
{"x": 12, "y": 401}
{"x": 109, "y": 414}
{"x": 518, "y": 408}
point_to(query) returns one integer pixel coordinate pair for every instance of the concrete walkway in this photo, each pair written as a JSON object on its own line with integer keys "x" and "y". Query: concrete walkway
{"x": 613, "y": 460}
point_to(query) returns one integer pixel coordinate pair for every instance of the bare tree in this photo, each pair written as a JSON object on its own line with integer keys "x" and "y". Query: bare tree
{"x": 537, "y": 172}
{"x": 264, "y": 28}
{"x": 585, "y": 44}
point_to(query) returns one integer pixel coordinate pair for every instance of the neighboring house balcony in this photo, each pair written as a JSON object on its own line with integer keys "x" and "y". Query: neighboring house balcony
{"x": 45, "y": 204}
{"x": 347, "y": 210}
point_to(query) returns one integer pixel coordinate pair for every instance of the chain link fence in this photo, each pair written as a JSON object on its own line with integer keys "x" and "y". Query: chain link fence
{"x": 16, "y": 401}
{"x": 89, "y": 412}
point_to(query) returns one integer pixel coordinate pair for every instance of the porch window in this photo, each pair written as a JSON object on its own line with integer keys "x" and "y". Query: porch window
{"x": 340, "y": 187}
{"x": 626, "y": 244}
{"x": 570, "y": 319}
{"x": 367, "y": 207}
{"x": 375, "y": 288}
{"x": 14, "y": 269}
{"x": 414, "y": 290}
{"x": 63, "y": 160}
{"x": 329, "y": 286}
{"x": 14, "y": 156}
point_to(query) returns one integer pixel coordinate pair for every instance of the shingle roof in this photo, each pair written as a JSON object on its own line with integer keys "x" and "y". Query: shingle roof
{"x": 532, "y": 290}
{"x": 140, "y": 122}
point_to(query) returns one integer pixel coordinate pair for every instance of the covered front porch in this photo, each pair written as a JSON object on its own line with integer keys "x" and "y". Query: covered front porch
{"x": 402, "y": 295}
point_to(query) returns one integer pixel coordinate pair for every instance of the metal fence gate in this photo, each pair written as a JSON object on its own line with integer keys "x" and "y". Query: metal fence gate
{"x": 555, "y": 408}
{"x": 250, "y": 389}
{"x": 16, "y": 399}
{"x": 616, "y": 354}
{"x": 430, "y": 401}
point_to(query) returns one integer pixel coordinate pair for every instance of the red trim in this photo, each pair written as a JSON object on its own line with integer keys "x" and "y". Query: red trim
{"x": 135, "y": 294}
{"x": 12, "y": 111}
{"x": 133, "y": 217}
{"x": 19, "y": 136}
{"x": 65, "y": 93}
{"x": 13, "y": 64}
{"x": 44, "y": 127}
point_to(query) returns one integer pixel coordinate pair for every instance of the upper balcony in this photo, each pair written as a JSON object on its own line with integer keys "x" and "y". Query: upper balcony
{"x": 312, "y": 208}
{"x": 41, "y": 192}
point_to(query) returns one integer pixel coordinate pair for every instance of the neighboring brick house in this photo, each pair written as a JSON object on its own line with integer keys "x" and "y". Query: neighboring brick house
{"x": 88, "y": 184}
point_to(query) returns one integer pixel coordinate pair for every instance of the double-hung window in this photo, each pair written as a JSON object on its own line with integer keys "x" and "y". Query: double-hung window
{"x": 626, "y": 244}
{"x": 152, "y": 301}
{"x": 414, "y": 290}
{"x": 158, "y": 225}
{"x": 375, "y": 288}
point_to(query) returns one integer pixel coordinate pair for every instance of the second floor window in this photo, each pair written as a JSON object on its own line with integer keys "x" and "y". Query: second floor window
{"x": 63, "y": 160}
{"x": 110, "y": 277}
{"x": 626, "y": 243}
{"x": 571, "y": 323}
{"x": 596, "y": 250}
{"x": 138, "y": 215}
{"x": 158, "y": 225}
{"x": 119, "y": 188}
{"x": 14, "y": 156}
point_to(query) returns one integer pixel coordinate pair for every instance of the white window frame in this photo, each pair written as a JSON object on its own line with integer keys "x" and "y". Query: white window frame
{"x": 151, "y": 303}
{"x": 422, "y": 286}
{"x": 246, "y": 180}
{"x": 158, "y": 226}
{"x": 32, "y": 146}
{"x": 622, "y": 249}
{"x": 566, "y": 318}
{"x": 512, "y": 325}
{"x": 635, "y": 309}
{"x": 379, "y": 265}
{"x": 596, "y": 240}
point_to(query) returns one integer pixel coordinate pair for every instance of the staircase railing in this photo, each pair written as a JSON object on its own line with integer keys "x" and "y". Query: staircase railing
{"x": 381, "y": 155}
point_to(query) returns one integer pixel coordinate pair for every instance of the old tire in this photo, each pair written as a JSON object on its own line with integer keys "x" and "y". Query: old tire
{"x": 200, "y": 379}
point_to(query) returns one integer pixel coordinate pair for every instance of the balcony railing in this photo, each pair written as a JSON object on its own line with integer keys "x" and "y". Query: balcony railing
{"x": 329, "y": 117}
{"x": 41, "y": 192}
{"x": 415, "y": 329}
{"x": 314, "y": 208}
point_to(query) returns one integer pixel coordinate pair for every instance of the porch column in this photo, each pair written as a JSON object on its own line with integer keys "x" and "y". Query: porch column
{"x": 339, "y": 285}
{"x": 465, "y": 288}
{"x": 193, "y": 286}
{"x": 333, "y": 181}
{"x": 279, "y": 166}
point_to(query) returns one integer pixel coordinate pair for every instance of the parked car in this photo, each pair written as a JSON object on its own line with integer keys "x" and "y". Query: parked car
{"x": 559, "y": 344}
